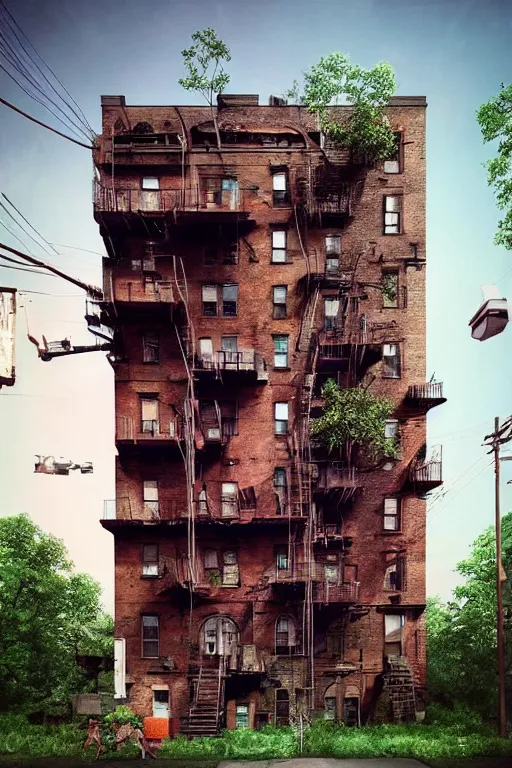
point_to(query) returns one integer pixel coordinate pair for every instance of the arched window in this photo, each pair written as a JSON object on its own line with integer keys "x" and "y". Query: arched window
{"x": 286, "y": 636}
{"x": 219, "y": 635}
{"x": 330, "y": 703}
{"x": 143, "y": 128}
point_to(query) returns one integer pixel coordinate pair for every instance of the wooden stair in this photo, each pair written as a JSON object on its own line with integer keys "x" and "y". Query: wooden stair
{"x": 204, "y": 717}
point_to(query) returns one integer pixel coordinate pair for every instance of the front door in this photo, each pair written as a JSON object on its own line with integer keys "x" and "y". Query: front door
{"x": 161, "y": 703}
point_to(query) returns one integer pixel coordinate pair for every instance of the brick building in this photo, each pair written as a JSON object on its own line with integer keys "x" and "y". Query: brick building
{"x": 258, "y": 578}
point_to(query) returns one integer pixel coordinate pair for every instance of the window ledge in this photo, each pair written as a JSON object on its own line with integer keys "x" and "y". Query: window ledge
{"x": 149, "y": 576}
{"x": 282, "y": 368}
{"x": 392, "y": 533}
{"x": 281, "y": 263}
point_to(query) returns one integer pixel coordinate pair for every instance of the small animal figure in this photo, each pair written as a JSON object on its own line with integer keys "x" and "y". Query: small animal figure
{"x": 125, "y": 732}
{"x": 94, "y": 737}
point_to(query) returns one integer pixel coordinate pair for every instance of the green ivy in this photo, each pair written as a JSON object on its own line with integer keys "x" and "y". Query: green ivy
{"x": 365, "y": 130}
{"x": 354, "y": 417}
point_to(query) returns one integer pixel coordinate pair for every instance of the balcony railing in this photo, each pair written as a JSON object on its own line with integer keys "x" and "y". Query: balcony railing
{"x": 326, "y": 592}
{"x": 138, "y": 291}
{"x": 429, "y": 472}
{"x": 331, "y": 477}
{"x": 124, "y": 200}
{"x": 242, "y": 360}
{"x": 425, "y": 396}
{"x": 130, "y": 430}
{"x": 124, "y": 508}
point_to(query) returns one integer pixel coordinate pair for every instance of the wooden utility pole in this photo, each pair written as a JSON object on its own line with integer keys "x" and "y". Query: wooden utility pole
{"x": 502, "y": 718}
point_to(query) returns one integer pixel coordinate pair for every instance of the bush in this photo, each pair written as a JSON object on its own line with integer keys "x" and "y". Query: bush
{"x": 123, "y": 715}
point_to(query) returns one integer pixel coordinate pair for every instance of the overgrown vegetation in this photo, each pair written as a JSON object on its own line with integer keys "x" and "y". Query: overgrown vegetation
{"x": 461, "y": 636}
{"x": 365, "y": 129}
{"x": 48, "y": 615}
{"x": 206, "y": 74}
{"x": 456, "y": 735}
{"x": 354, "y": 418}
{"x": 495, "y": 120}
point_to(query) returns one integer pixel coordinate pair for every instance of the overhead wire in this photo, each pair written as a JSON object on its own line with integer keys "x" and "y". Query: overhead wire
{"x": 24, "y": 230}
{"x": 44, "y": 125}
{"x": 28, "y": 222}
{"x": 460, "y": 489}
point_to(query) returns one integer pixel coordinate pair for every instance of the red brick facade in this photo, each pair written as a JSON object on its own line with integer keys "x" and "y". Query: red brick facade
{"x": 185, "y": 217}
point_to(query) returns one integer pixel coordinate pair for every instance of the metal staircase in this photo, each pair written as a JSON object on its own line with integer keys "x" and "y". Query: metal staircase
{"x": 207, "y": 705}
{"x": 399, "y": 683}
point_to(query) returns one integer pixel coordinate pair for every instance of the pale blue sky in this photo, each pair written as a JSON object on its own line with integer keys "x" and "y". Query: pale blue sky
{"x": 456, "y": 52}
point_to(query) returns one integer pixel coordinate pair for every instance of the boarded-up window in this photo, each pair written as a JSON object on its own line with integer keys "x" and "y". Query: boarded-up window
{"x": 150, "y": 637}
{"x": 392, "y": 214}
{"x": 391, "y": 368}
{"x": 229, "y": 500}
{"x": 230, "y": 572}
{"x": 151, "y": 347}
{"x": 209, "y": 294}
{"x": 211, "y": 559}
{"x": 281, "y": 418}
{"x": 391, "y": 514}
{"x": 149, "y": 413}
{"x": 150, "y": 560}
{"x": 151, "y": 503}
{"x": 279, "y": 302}
{"x": 279, "y": 246}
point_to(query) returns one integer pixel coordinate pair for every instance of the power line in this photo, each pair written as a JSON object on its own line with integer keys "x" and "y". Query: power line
{"x": 460, "y": 489}
{"x": 24, "y": 230}
{"x": 44, "y": 125}
{"x": 75, "y": 248}
{"x": 29, "y": 224}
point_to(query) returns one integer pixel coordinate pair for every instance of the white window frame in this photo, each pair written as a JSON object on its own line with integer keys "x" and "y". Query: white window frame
{"x": 279, "y": 242}
{"x": 229, "y": 499}
{"x": 393, "y": 214}
{"x": 392, "y": 508}
{"x": 281, "y": 418}
{"x": 281, "y": 358}
{"x": 209, "y": 295}
{"x": 279, "y": 300}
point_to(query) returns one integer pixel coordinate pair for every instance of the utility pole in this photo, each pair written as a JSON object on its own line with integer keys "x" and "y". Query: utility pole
{"x": 502, "y": 718}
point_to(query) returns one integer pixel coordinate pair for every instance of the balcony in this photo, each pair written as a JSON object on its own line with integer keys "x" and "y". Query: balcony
{"x": 325, "y": 588}
{"x": 326, "y": 592}
{"x": 131, "y": 432}
{"x": 328, "y": 532}
{"x": 425, "y": 475}
{"x": 423, "y": 397}
{"x": 332, "y": 477}
{"x": 242, "y": 365}
{"x": 190, "y": 203}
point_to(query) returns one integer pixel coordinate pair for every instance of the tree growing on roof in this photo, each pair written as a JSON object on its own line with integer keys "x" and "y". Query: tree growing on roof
{"x": 206, "y": 74}
{"x": 495, "y": 120}
{"x": 365, "y": 129}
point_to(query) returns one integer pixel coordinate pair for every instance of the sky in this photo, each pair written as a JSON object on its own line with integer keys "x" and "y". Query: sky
{"x": 456, "y": 52}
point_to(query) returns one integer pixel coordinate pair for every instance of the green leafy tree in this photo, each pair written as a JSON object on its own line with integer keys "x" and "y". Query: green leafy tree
{"x": 48, "y": 615}
{"x": 354, "y": 417}
{"x": 206, "y": 75}
{"x": 495, "y": 120}
{"x": 365, "y": 129}
{"x": 461, "y": 636}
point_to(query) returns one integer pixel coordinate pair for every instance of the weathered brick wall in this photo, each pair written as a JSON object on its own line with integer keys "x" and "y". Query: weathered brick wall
{"x": 256, "y": 451}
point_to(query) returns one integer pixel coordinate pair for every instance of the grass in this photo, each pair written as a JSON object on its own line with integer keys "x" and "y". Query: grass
{"x": 447, "y": 736}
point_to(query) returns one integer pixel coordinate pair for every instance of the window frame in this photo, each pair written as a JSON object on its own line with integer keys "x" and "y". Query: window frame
{"x": 283, "y": 717}
{"x": 150, "y": 640}
{"x": 279, "y": 249}
{"x": 399, "y": 214}
{"x": 284, "y": 422}
{"x": 230, "y": 302}
{"x": 280, "y": 197}
{"x": 154, "y": 399}
{"x": 229, "y": 499}
{"x": 399, "y": 155}
{"x": 151, "y": 341}
{"x": 150, "y": 188}
{"x": 284, "y": 355}
{"x": 148, "y": 562}
{"x": 390, "y": 371}
{"x": 394, "y": 304}
{"x": 151, "y": 504}
{"x": 277, "y": 306}
{"x": 396, "y": 515}
{"x": 245, "y": 713}
{"x": 205, "y": 304}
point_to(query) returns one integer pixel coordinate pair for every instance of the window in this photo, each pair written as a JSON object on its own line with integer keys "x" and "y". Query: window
{"x": 209, "y": 300}
{"x": 150, "y": 182}
{"x": 285, "y": 635}
{"x": 392, "y": 214}
{"x": 393, "y": 631}
{"x": 149, "y": 412}
{"x": 150, "y": 492}
{"x": 281, "y": 418}
{"x": 331, "y": 573}
{"x": 136, "y": 265}
{"x": 391, "y": 368}
{"x": 394, "y": 164}
{"x": 230, "y": 300}
{"x": 229, "y": 347}
{"x": 282, "y": 706}
{"x": 331, "y": 312}
{"x": 280, "y": 351}
{"x": 330, "y": 708}
{"x": 202, "y": 502}
{"x": 332, "y": 254}
{"x": 394, "y": 578}
{"x": 150, "y": 637}
{"x": 230, "y": 572}
{"x": 150, "y": 560}
{"x": 391, "y": 514}
{"x": 211, "y": 559}
{"x": 390, "y": 289}
{"x": 391, "y": 429}
{"x": 279, "y": 189}
{"x": 206, "y": 352}
{"x": 280, "y": 490}
{"x": 279, "y": 301}
{"x": 229, "y": 500}
{"x": 279, "y": 246}
{"x": 219, "y": 635}
{"x": 229, "y": 417}
{"x": 151, "y": 347}
{"x": 282, "y": 558}
{"x": 242, "y": 716}
{"x": 279, "y": 477}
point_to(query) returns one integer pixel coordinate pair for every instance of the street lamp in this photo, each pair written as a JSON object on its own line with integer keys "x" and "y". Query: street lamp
{"x": 492, "y": 316}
